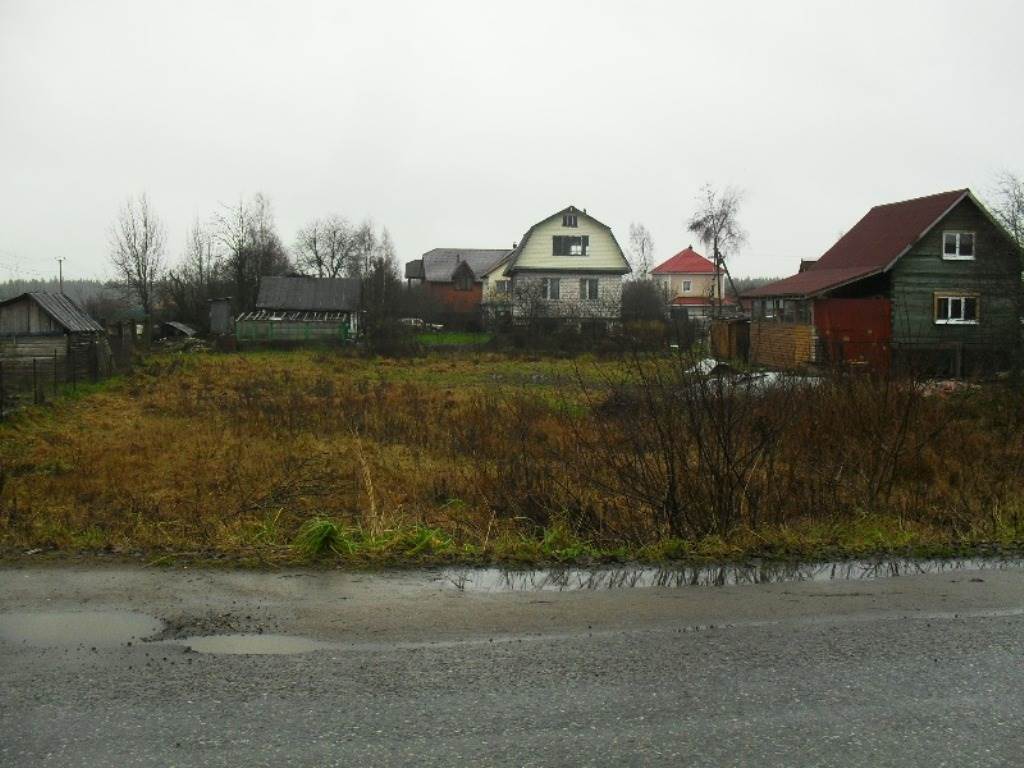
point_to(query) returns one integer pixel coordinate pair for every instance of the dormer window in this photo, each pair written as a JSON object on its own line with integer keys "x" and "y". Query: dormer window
{"x": 464, "y": 282}
{"x": 569, "y": 220}
{"x": 958, "y": 246}
{"x": 570, "y": 245}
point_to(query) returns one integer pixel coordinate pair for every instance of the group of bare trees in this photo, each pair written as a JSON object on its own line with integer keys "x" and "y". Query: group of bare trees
{"x": 229, "y": 253}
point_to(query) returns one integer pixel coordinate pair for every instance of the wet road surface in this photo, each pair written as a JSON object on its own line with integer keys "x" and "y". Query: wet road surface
{"x": 145, "y": 667}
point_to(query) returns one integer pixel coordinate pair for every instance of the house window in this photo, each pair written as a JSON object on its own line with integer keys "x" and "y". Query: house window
{"x": 570, "y": 245}
{"x": 687, "y": 285}
{"x": 958, "y": 245}
{"x": 503, "y": 286}
{"x": 588, "y": 289}
{"x": 464, "y": 283}
{"x": 550, "y": 288}
{"x": 956, "y": 310}
{"x": 569, "y": 220}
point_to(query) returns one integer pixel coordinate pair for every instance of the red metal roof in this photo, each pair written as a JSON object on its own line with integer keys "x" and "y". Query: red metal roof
{"x": 872, "y": 246}
{"x": 686, "y": 262}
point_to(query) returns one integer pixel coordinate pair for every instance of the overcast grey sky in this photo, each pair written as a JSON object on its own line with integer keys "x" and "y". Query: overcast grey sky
{"x": 463, "y": 123}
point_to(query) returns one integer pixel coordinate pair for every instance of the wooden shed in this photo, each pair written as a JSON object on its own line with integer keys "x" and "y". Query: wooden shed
{"x": 302, "y": 309}
{"x": 47, "y": 339}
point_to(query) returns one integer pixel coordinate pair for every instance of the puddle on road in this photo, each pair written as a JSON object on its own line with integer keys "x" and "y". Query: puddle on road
{"x": 625, "y": 577}
{"x": 249, "y": 644}
{"x": 70, "y": 629}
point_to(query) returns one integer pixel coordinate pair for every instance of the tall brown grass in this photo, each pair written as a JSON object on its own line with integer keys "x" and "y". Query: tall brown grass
{"x": 229, "y": 453}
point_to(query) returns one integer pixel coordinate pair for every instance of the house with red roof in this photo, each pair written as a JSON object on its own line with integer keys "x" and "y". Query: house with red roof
{"x": 934, "y": 280}
{"x": 691, "y": 283}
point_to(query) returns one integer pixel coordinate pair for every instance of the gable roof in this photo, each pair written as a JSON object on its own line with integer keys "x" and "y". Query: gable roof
{"x": 518, "y": 250}
{"x": 64, "y": 311}
{"x": 874, "y": 244}
{"x": 686, "y": 262}
{"x": 438, "y": 265}
{"x": 323, "y": 294}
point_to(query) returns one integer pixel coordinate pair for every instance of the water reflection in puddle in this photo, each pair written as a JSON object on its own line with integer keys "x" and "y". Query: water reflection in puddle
{"x": 69, "y": 629}
{"x": 625, "y": 577}
{"x": 245, "y": 644}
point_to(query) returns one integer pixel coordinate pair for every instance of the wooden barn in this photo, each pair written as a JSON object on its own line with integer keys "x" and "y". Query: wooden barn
{"x": 46, "y": 339}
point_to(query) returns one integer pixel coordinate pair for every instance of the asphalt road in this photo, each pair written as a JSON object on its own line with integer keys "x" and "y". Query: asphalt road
{"x": 408, "y": 671}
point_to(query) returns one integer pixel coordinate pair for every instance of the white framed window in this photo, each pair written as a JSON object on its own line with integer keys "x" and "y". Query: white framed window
{"x": 550, "y": 288}
{"x": 687, "y": 286}
{"x": 958, "y": 246}
{"x": 957, "y": 309}
{"x": 588, "y": 289}
{"x": 570, "y": 220}
{"x": 503, "y": 286}
{"x": 570, "y": 245}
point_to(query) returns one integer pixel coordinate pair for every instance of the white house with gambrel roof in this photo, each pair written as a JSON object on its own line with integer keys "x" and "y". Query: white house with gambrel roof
{"x": 568, "y": 265}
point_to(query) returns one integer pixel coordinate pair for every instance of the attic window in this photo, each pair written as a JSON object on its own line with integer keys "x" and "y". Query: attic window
{"x": 956, "y": 310}
{"x": 569, "y": 220}
{"x": 464, "y": 282}
{"x": 958, "y": 245}
{"x": 570, "y": 245}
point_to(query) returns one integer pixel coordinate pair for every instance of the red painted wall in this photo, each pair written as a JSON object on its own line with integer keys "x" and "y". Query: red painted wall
{"x": 455, "y": 300}
{"x": 855, "y": 331}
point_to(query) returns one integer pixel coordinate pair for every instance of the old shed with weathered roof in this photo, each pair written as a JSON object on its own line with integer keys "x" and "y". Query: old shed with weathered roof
{"x": 46, "y": 339}
{"x": 296, "y": 309}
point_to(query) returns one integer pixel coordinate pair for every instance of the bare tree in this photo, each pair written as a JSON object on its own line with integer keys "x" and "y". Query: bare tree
{"x": 641, "y": 249}
{"x": 189, "y": 285}
{"x": 716, "y": 223}
{"x": 137, "y": 249}
{"x": 252, "y": 247}
{"x": 1008, "y": 204}
{"x": 325, "y": 246}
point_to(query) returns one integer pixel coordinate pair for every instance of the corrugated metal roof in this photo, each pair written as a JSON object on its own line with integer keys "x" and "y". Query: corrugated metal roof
{"x": 873, "y": 245}
{"x": 63, "y": 310}
{"x": 439, "y": 264}
{"x": 686, "y": 262}
{"x": 188, "y": 330}
{"x": 315, "y": 294}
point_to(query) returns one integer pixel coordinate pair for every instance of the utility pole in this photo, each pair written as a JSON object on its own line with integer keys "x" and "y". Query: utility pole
{"x": 60, "y": 272}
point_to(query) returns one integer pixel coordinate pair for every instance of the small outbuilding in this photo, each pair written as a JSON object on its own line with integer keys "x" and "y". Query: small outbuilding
{"x": 47, "y": 336}
{"x": 173, "y": 329}
{"x": 303, "y": 309}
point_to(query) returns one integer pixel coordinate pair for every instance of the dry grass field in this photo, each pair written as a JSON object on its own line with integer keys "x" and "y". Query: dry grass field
{"x": 280, "y": 457}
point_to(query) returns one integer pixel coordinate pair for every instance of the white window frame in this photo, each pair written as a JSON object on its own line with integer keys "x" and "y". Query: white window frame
{"x": 585, "y": 293}
{"x": 503, "y": 286}
{"x": 546, "y": 285}
{"x": 957, "y": 233}
{"x": 570, "y": 220}
{"x": 687, "y": 286}
{"x": 951, "y": 297}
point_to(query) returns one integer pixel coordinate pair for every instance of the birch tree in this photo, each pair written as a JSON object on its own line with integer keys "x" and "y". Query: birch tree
{"x": 137, "y": 249}
{"x": 716, "y": 223}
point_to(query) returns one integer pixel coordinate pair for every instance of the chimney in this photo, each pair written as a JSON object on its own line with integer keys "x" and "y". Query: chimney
{"x": 514, "y": 245}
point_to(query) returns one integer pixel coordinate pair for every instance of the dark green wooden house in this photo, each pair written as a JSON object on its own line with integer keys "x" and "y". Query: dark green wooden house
{"x": 933, "y": 281}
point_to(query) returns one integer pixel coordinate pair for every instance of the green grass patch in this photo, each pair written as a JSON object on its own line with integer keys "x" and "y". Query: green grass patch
{"x": 453, "y": 339}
